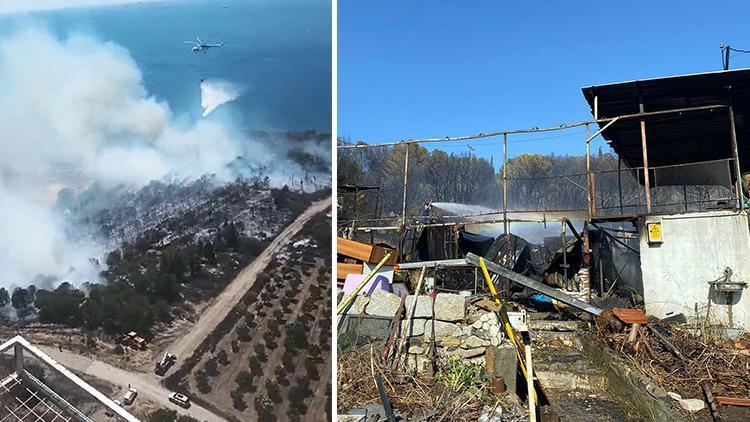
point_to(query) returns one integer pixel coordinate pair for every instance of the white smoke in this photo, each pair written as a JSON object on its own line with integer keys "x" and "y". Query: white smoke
{"x": 215, "y": 92}
{"x": 74, "y": 112}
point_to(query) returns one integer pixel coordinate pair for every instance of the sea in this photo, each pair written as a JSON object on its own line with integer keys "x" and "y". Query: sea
{"x": 277, "y": 52}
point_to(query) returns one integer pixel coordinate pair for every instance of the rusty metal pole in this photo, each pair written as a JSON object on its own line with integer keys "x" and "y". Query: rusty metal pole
{"x": 619, "y": 181}
{"x": 644, "y": 148}
{"x": 736, "y": 156}
{"x": 589, "y": 188}
{"x": 505, "y": 184}
{"x": 403, "y": 205}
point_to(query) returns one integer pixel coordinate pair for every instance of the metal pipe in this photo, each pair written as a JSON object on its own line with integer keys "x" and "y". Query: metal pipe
{"x": 565, "y": 255}
{"x": 589, "y": 190}
{"x": 736, "y": 156}
{"x": 505, "y": 184}
{"x": 536, "y": 130}
{"x": 644, "y": 149}
{"x": 619, "y": 181}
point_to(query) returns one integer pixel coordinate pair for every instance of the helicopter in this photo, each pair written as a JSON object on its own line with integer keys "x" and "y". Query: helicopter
{"x": 201, "y": 47}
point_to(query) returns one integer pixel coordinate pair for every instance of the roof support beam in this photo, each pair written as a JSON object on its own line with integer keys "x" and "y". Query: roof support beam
{"x": 736, "y": 156}
{"x": 537, "y": 130}
{"x": 644, "y": 149}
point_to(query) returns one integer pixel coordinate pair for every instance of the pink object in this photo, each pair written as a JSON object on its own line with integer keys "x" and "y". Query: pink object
{"x": 377, "y": 282}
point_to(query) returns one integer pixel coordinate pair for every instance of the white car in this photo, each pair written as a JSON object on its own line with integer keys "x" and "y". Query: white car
{"x": 180, "y": 400}
{"x": 130, "y": 396}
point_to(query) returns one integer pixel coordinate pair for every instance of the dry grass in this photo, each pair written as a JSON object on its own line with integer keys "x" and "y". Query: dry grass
{"x": 410, "y": 395}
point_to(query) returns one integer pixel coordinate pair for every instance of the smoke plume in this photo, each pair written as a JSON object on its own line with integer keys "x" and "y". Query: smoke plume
{"x": 74, "y": 112}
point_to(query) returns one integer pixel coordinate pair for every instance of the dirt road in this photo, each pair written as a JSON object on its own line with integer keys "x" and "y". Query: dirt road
{"x": 233, "y": 293}
{"x": 146, "y": 384}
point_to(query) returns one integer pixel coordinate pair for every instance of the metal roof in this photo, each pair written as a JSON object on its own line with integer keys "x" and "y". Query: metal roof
{"x": 679, "y": 138}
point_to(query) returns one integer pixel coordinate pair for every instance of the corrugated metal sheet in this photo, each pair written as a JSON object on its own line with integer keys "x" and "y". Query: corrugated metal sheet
{"x": 677, "y": 138}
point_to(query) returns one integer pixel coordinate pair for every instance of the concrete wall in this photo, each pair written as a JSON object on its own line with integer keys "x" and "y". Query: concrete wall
{"x": 696, "y": 249}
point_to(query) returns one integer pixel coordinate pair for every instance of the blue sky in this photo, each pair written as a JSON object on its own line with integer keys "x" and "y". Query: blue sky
{"x": 429, "y": 69}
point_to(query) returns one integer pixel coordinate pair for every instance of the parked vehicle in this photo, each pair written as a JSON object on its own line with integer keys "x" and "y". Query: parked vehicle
{"x": 180, "y": 400}
{"x": 165, "y": 363}
{"x": 130, "y": 396}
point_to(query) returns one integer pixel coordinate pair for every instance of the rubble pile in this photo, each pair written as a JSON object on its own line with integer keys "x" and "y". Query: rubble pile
{"x": 457, "y": 329}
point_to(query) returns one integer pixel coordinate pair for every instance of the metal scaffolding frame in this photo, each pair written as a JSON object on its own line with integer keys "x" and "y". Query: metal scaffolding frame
{"x": 605, "y": 123}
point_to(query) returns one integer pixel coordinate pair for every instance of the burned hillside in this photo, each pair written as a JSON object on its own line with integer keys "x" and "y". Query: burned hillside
{"x": 175, "y": 243}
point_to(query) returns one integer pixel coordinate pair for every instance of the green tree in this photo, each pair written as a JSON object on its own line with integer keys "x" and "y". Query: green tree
{"x": 244, "y": 381}
{"x": 163, "y": 415}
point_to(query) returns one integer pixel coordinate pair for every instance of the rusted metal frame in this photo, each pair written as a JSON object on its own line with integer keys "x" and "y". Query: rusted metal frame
{"x": 589, "y": 190}
{"x": 644, "y": 149}
{"x": 619, "y": 181}
{"x": 675, "y": 203}
{"x": 538, "y": 130}
{"x": 736, "y": 156}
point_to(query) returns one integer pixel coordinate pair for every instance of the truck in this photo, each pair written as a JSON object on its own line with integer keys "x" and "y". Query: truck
{"x": 162, "y": 366}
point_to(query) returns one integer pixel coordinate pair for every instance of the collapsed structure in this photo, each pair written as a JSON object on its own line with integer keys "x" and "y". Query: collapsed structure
{"x": 674, "y": 240}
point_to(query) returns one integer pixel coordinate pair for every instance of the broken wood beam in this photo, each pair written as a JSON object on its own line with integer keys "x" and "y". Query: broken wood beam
{"x": 732, "y": 401}
{"x": 534, "y": 285}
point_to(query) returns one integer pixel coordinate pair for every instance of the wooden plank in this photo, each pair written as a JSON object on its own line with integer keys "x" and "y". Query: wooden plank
{"x": 343, "y": 269}
{"x": 362, "y": 251}
{"x": 352, "y": 249}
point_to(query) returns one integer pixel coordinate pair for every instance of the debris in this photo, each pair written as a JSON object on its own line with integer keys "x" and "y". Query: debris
{"x": 630, "y": 316}
{"x": 376, "y": 283}
{"x": 710, "y": 400}
{"x": 732, "y": 401}
{"x": 691, "y": 405}
{"x": 491, "y": 414}
{"x": 393, "y": 336}
{"x": 675, "y": 319}
{"x": 348, "y": 299}
{"x": 535, "y": 285}
{"x": 530, "y": 384}
{"x": 384, "y": 399}
{"x": 487, "y": 305}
